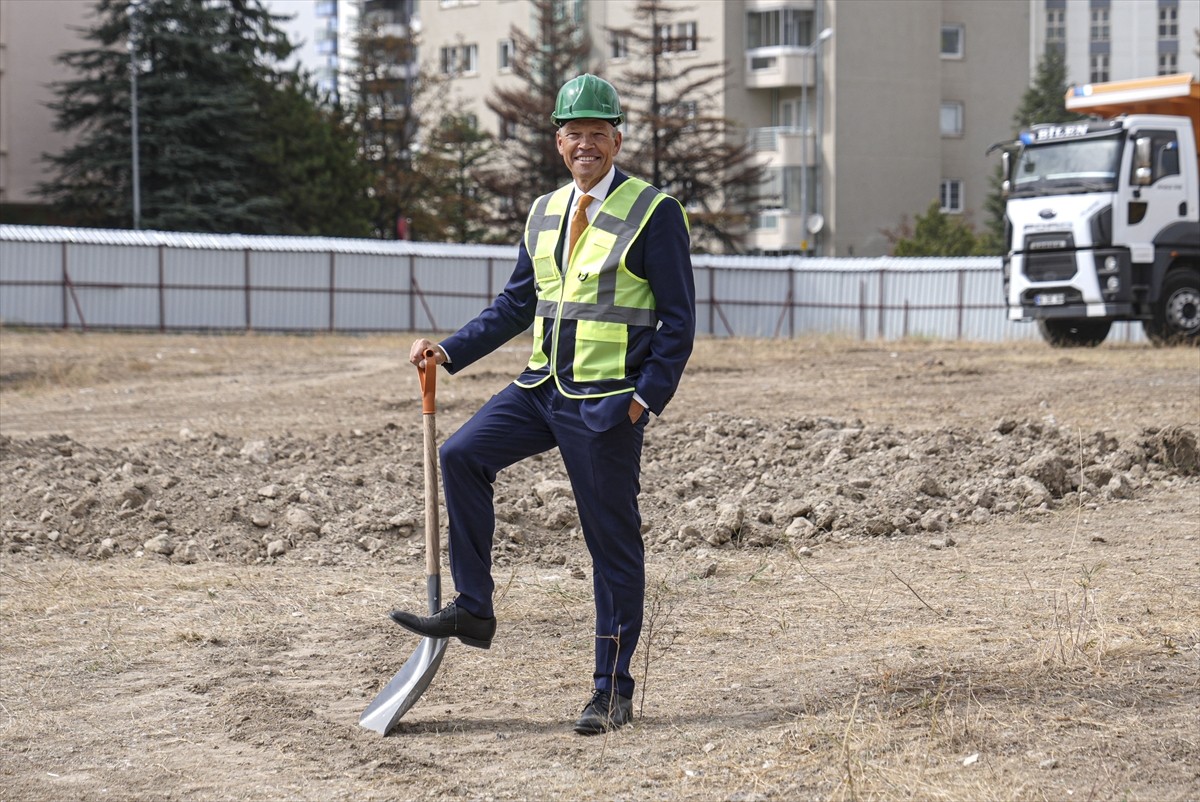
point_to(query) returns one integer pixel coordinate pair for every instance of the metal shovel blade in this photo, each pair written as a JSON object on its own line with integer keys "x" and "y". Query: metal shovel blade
{"x": 414, "y": 677}
{"x": 405, "y": 688}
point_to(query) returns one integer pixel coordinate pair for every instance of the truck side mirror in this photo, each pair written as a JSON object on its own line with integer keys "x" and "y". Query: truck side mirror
{"x": 1006, "y": 171}
{"x": 1142, "y": 171}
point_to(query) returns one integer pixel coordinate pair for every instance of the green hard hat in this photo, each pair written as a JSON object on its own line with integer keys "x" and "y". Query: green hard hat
{"x": 587, "y": 97}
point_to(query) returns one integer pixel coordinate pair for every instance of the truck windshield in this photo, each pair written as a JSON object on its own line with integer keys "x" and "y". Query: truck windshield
{"x": 1069, "y": 166}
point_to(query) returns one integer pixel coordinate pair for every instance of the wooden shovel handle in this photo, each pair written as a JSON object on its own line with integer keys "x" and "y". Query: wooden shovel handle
{"x": 428, "y": 376}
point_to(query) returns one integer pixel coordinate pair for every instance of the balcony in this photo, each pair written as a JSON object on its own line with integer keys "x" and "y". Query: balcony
{"x": 779, "y": 67}
{"x": 778, "y": 231}
{"x": 781, "y": 146}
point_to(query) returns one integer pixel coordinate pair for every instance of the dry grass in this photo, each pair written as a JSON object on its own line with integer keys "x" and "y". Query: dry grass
{"x": 41, "y": 360}
{"x": 1031, "y": 662}
{"x": 771, "y": 677}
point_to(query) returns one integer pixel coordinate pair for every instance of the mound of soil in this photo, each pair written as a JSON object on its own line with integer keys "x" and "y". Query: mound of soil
{"x": 711, "y": 481}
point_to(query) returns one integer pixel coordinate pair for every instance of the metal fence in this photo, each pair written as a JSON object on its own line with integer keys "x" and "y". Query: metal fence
{"x": 94, "y": 278}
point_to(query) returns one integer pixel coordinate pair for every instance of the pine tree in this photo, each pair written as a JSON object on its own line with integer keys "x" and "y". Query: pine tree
{"x": 1045, "y": 99}
{"x": 310, "y": 156}
{"x": 991, "y": 241}
{"x": 197, "y": 120}
{"x": 935, "y": 234}
{"x": 699, "y": 157}
{"x": 531, "y": 165}
{"x": 211, "y": 156}
{"x": 451, "y": 166}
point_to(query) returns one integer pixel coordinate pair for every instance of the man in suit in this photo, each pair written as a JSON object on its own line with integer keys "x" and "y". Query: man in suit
{"x": 604, "y": 276}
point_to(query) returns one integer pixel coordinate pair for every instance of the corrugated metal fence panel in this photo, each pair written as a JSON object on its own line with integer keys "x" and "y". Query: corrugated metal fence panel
{"x": 290, "y": 291}
{"x": 204, "y": 289}
{"x": 372, "y": 293}
{"x": 449, "y": 291}
{"x": 31, "y": 292}
{"x": 365, "y": 272}
{"x": 921, "y": 304}
{"x": 30, "y": 261}
{"x": 185, "y": 267}
{"x": 833, "y": 302}
{"x": 1127, "y": 332}
{"x": 113, "y": 286}
{"x": 744, "y": 303}
{"x": 128, "y": 279}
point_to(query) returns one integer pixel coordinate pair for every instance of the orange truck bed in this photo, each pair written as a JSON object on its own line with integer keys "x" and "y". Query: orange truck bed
{"x": 1176, "y": 95}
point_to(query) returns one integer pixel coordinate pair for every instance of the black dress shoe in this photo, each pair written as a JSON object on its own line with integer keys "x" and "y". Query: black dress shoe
{"x": 450, "y": 622}
{"x": 606, "y": 711}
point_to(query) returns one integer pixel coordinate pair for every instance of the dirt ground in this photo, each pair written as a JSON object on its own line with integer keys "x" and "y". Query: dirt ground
{"x": 878, "y": 571}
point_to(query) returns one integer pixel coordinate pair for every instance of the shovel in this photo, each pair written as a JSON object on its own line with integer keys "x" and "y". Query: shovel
{"x": 414, "y": 677}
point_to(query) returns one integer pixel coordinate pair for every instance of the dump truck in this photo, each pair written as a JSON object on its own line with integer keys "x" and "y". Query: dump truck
{"x": 1103, "y": 215}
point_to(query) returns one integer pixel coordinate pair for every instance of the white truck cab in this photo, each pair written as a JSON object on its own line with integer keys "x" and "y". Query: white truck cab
{"x": 1103, "y": 215}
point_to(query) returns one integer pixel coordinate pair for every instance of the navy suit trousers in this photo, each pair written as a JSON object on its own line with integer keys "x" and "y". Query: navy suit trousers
{"x": 604, "y": 469}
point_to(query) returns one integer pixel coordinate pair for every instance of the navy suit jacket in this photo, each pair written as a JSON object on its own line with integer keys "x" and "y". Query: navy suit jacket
{"x": 661, "y": 254}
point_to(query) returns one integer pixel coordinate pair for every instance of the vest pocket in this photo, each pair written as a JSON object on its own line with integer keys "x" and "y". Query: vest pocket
{"x": 545, "y": 270}
{"x": 599, "y": 350}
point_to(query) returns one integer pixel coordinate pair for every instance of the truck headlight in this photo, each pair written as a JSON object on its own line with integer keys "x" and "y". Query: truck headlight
{"x": 1113, "y": 283}
{"x": 1111, "y": 263}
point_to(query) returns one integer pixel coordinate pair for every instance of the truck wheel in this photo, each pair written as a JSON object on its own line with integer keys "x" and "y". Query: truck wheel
{"x": 1177, "y": 315}
{"x": 1074, "y": 333}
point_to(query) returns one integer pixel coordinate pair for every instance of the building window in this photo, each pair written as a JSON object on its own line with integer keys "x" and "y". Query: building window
{"x": 951, "y": 198}
{"x": 508, "y": 129}
{"x": 952, "y": 118}
{"x": 568, "y": 9}
{"x": 679, "y": 110}
{"x": 1168, "y": 63}
{"x": 664, "y": 38}
{"x": 618, "y": 45}
{"x": 779, "y": 28}
{"x": 460, "y": 60}
{"x": 683, "y": 41}
{"x": 685, "y": 37}
{"x": 952, "y": 41}
{"x": 1056, "y": 26}
{"x": 506, "y": 55}
{"x": 1100, "y": 27}
{"x": 1098, "y": 71}
{"x": 1168, "y": 22}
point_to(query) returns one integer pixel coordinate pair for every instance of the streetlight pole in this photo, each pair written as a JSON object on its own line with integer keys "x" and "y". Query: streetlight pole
{"x": 133, "y": 117}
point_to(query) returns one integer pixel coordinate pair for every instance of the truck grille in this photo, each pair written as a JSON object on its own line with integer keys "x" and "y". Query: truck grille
{"x": 1050, "y": 266}
{"x": 1050, "y": 257}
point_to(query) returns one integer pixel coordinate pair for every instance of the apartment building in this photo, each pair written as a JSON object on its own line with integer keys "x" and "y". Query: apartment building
{"x": 1112, "y": 40}
{"x": 32, "y": 34}
{"x": 862, "y": 111}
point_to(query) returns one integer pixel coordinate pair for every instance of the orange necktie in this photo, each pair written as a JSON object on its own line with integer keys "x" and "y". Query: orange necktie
{"x": 578, "y": 224}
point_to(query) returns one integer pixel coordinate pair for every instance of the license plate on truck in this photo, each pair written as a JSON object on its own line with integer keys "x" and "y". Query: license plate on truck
{"x": 1049, "y": 299}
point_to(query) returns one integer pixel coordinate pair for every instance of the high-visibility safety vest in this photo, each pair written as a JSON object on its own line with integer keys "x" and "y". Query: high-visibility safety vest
{"x": 591, "y": 311}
